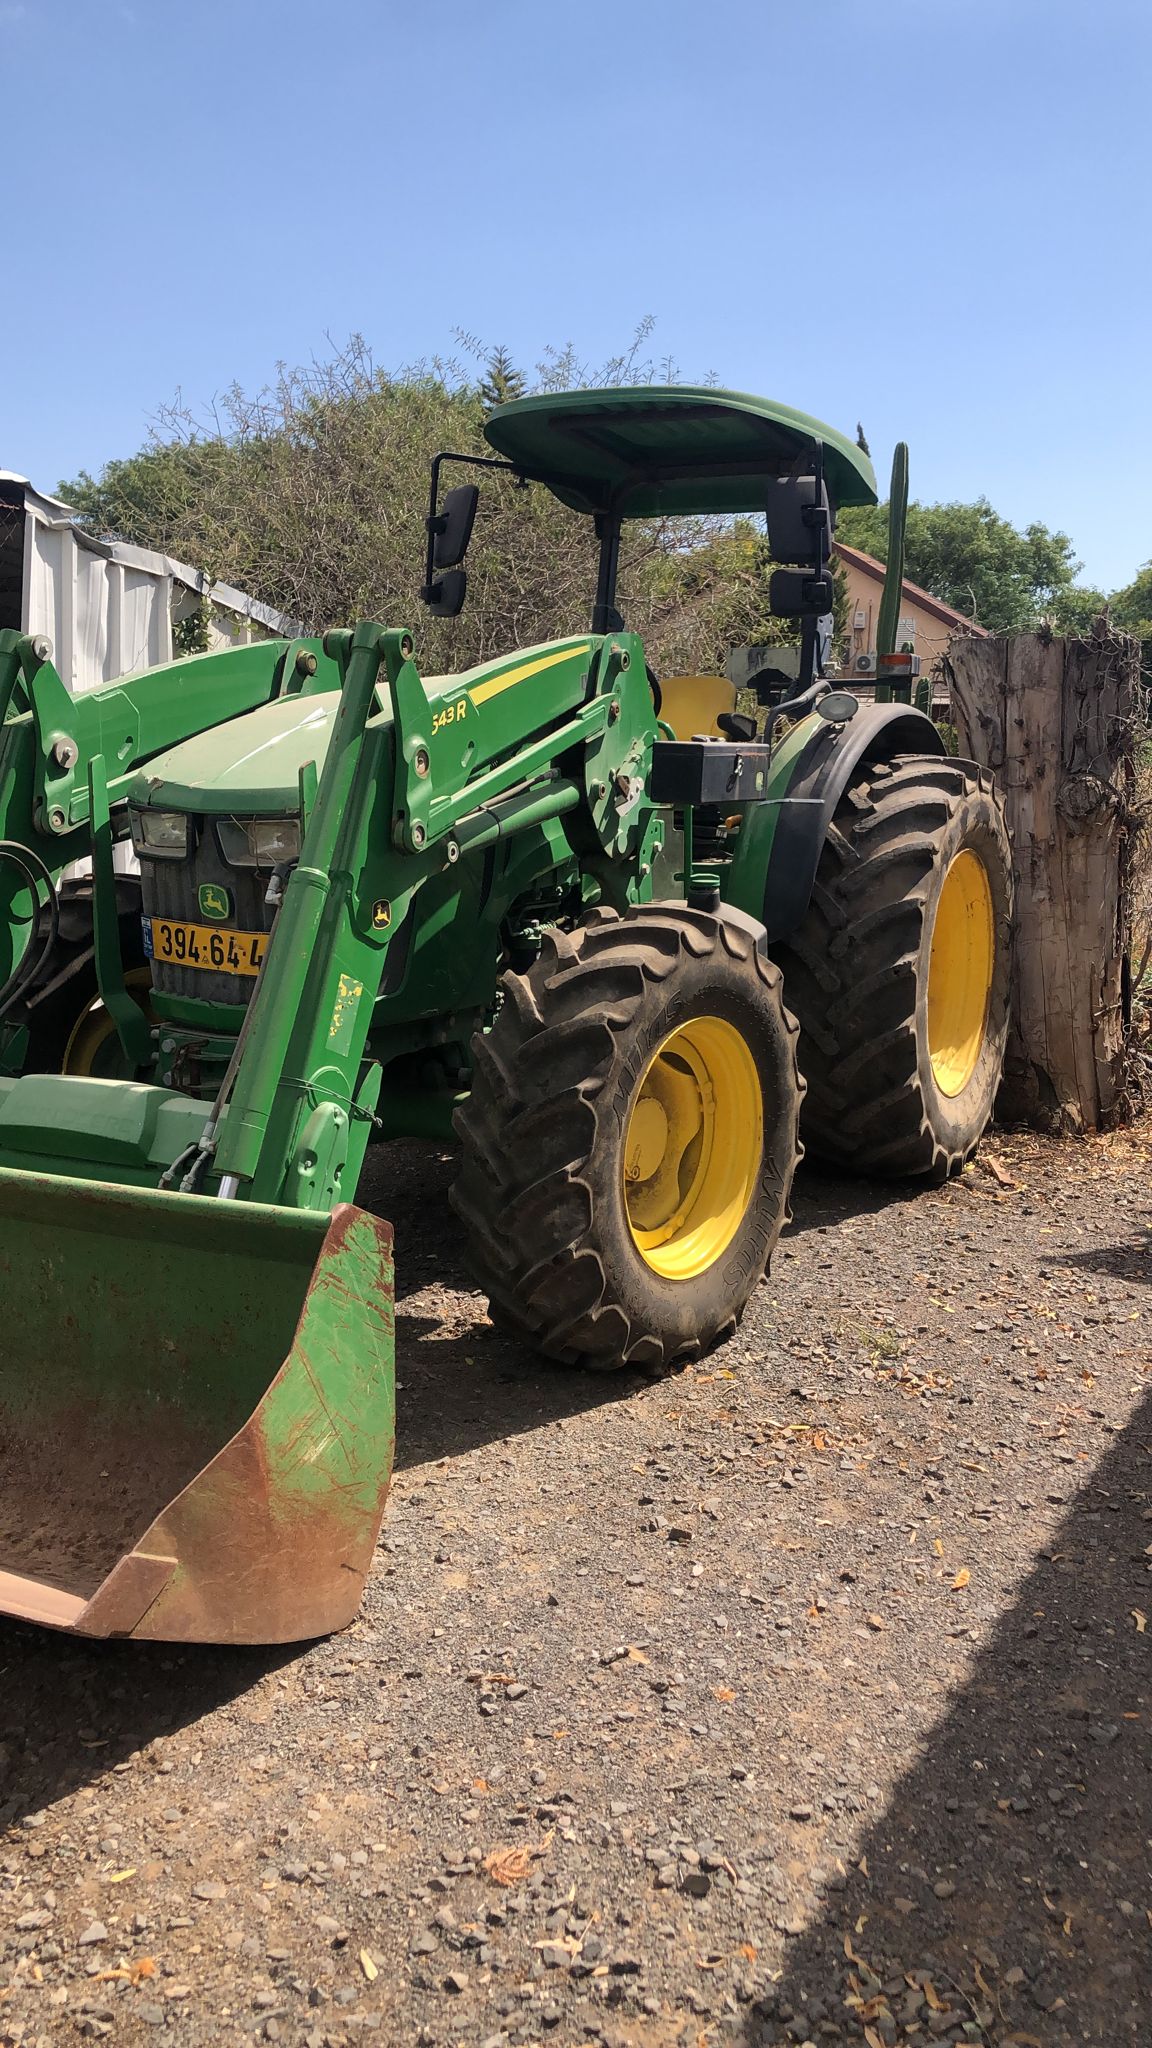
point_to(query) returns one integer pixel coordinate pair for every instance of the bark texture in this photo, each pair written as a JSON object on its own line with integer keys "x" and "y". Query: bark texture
{"x": 1054, "y": 720}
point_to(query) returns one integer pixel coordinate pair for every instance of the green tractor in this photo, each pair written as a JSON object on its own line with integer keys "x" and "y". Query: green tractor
{"x": 626, "y": 941}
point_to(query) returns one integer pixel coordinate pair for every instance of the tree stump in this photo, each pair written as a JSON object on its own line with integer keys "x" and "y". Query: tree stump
{"x": 1054, "y": 720}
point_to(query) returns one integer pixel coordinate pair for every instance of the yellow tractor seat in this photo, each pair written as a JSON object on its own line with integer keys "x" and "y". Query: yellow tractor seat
{"x": 692, "y": 704}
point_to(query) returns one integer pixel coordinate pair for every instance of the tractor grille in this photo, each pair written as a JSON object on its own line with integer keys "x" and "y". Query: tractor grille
{"x": 171, "y": 889}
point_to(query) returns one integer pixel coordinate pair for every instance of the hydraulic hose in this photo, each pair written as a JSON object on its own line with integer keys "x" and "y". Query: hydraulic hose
{"x": 34, "y": 872}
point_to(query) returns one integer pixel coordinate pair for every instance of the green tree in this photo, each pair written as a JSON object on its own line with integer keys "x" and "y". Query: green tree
{"x": 967, "y": 555}
{"x": 1132, "y": 606}
{"x": 311, "y": 495}
{"x": 1077, "y": 608}
{"x": 502, "y": 381}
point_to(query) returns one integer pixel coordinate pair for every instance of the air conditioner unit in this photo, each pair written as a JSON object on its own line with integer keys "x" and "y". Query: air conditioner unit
{"x": 864, "y": 665}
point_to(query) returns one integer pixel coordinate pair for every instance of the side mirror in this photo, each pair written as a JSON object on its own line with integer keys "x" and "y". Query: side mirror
{"x": 451, "y": 527}
{"x": 799, "y": 523}
{"x": 797, "y": 594}
{"x": 445, "y": 597}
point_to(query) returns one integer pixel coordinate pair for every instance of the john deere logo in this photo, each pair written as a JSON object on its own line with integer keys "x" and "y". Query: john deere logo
{"x": 215, "y": 901}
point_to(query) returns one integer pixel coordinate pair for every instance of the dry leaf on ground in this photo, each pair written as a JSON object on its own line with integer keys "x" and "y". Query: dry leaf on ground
{"x": 507, "y": 1866}
{"x": 131, "y": 1973}
{"x": 991, "y": 1164}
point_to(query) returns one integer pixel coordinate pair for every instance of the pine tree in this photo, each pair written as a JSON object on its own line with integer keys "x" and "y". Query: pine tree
{"x": 502, "y": 381}
{"x": 862, "y": 439}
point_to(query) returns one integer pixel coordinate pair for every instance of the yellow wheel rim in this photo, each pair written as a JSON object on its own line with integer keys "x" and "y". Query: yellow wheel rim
{"x": 692, "y": 1147}
{"x": 93, "y": 1047}
{"x": 960, "y": 973}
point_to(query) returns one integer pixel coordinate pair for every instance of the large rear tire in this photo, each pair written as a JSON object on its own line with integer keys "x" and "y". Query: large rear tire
{"x": 631, "y": 1135}
{"x": 899, "y": 974}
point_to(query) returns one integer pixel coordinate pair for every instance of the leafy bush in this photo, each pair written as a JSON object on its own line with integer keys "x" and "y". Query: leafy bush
{"x": 311, "y": 495}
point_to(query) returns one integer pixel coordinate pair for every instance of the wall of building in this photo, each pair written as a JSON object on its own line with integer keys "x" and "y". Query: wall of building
{"x": 929, "y": 634}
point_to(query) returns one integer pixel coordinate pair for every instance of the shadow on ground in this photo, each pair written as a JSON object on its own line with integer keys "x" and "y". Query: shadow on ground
{"x": 1131, "y": 1261}
{"x": 74, "y": 1709}
{"x": 407, "y": 1183}
{"x": 1033, "y": 1799}
{"x": 464, "y": 1383}
{"x": 463, "y": 1388}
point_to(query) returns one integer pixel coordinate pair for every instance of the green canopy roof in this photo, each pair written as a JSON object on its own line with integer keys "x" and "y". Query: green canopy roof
{"x": 648, "y": 449}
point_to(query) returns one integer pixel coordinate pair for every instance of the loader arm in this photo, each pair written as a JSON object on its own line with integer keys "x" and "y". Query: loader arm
{"x": 49, "y": 740}
{"x": 247, "y": 1328}
{"x": 399, "y": 802}
{"x": 48, "y": 737}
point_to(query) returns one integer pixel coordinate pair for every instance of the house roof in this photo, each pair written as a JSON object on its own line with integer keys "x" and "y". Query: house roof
{"x": 949, "y": 616}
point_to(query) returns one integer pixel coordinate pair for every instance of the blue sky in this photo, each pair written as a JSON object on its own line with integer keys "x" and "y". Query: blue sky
{"x": 929, "y": 215}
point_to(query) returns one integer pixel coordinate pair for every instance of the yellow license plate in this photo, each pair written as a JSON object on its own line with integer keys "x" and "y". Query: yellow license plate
{"x": 205, "y": 946}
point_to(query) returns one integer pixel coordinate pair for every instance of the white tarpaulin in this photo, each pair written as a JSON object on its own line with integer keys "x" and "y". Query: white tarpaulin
{"x": 107, "y": 607}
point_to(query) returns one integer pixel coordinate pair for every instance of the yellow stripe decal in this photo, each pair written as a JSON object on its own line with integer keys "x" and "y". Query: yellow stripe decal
{"x": 483, "y": 691}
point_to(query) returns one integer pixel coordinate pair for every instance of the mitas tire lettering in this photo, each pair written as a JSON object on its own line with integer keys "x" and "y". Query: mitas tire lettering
{"x": 541, "y": 1188}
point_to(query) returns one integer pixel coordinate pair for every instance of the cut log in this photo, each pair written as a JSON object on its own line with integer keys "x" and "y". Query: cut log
{"x": 1053, "y": 719}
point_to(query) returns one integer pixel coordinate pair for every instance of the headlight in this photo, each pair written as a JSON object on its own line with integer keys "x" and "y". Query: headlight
{"x": 162, "y": 835}
{"x": 259, "y": 842}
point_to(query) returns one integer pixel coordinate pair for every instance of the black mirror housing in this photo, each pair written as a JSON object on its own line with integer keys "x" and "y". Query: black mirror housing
{"x": 445, "y": 597}
{"x": 799, "y": 521}
{"x": 451, "y": 527}
{"x": 798, "y": 594}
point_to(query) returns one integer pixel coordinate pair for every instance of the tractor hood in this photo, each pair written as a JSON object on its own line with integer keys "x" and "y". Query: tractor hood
{"x": 246, "y": 766}
{"x": 250, "y": 766}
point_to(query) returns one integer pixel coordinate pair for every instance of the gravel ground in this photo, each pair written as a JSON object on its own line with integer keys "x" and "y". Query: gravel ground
{"x": 802, "y": 1696}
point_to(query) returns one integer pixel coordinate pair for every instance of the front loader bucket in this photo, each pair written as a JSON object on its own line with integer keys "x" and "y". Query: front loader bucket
{"x": 196, "y": 1411}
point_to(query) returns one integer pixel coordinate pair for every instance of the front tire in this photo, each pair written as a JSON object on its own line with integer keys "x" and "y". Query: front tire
{"x": 900, "y": 972}
{"x": 68, "y": 1029}
{"x": 631, "y": 1136}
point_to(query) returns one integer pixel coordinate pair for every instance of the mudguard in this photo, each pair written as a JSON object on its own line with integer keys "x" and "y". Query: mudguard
{"x": 774, "y": 867}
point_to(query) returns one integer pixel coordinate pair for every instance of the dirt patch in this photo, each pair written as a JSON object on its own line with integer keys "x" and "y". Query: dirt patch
{"x": 800, "y": 1697}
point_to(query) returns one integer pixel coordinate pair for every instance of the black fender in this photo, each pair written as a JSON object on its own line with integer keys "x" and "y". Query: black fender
{"x": 824, "y": 768}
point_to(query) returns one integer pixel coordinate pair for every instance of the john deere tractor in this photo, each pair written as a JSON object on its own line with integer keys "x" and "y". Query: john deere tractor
{"x": 621, "y": 938}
